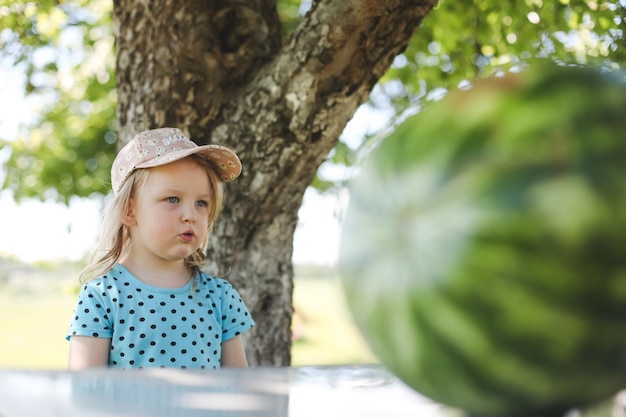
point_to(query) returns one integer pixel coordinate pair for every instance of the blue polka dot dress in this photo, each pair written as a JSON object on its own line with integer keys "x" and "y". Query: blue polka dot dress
{"x": 160, "y": 327}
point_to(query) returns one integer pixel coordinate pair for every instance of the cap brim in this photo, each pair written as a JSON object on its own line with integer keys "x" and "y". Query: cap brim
{"x": 226, "y": 163}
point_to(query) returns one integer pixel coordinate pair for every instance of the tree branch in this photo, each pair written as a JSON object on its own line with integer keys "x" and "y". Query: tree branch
{"x": 290, "y": 116}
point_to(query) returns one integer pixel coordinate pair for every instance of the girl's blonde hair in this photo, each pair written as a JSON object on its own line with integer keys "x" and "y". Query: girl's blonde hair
{"x": 114, "y": 239}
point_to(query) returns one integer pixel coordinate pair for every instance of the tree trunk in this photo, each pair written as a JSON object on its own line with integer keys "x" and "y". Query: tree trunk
{"x": 217, "y": 70}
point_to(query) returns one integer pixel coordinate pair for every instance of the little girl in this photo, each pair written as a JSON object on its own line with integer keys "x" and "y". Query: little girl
{"x": 150, "y": 305}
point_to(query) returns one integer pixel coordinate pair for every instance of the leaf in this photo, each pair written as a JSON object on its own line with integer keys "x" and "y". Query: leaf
{"x": 456, "y": 43}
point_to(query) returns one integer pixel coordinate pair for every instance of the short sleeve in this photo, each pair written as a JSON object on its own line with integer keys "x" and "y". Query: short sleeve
{"x": 236, "y": 318}
{"x": 92, "y": 313}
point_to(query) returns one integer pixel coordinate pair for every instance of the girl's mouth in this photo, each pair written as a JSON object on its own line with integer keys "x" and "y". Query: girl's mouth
{"x": 187, "y": 236}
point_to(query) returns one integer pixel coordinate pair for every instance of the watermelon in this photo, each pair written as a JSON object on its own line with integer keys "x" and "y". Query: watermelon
{"x": 483, "y": 251}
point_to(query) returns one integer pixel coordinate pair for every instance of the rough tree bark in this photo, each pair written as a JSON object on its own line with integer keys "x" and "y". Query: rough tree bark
{"x": 218, "y": 70}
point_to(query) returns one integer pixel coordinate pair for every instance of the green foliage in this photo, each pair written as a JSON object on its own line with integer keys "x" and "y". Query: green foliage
{"x": 289, "y": 13}
{"x": 66, "y": 51}
{"x": 457, "y": 43}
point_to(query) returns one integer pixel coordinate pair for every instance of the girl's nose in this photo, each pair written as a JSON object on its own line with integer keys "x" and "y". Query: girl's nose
{"x": 189, "y": 215}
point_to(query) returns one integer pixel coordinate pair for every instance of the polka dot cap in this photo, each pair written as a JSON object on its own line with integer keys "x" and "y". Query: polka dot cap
{"x": 163, "y": 146}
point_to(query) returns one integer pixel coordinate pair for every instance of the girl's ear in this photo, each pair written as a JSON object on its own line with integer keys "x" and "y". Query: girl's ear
{"x": 128, "y": 218}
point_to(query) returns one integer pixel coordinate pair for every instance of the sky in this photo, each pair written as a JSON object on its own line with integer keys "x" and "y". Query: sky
{"x": 47, "y": 231}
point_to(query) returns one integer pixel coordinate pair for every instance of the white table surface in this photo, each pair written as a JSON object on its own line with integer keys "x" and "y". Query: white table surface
{"x": 310, "y": 391}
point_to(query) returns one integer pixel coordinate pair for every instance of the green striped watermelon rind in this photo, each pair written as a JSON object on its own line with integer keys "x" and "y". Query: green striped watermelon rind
{"x": 482, "y": 253}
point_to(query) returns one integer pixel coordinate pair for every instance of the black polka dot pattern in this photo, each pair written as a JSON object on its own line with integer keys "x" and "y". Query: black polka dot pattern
{"x": 155, "y": 327}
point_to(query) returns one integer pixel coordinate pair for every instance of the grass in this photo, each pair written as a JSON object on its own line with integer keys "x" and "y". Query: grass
{"x": 33, "y": 329}
{"x": 323, "y": 326}
{"x": 33, "y": 323}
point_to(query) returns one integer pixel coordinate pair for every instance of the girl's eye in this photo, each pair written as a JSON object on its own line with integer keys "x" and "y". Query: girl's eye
{"x": 201, "y": 203}
{"x": 172, "y": 200}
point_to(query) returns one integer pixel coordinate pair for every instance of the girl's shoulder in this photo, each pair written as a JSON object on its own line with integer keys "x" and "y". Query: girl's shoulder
{"x": 222, "y": 294}
{"x": 215, "y": 285}
{"x": 207, "y": 280}
{"x": 113, "y": 278}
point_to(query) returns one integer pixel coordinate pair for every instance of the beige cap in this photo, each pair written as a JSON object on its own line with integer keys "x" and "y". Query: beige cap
{"x": 163, "y": 146}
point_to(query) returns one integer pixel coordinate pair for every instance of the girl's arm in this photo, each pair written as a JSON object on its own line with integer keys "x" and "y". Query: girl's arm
{"x": 88, "y": 352}
{"x": 233, "y": 353}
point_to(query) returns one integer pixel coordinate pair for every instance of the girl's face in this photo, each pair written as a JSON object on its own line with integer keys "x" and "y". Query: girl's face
{"x": 169, "y": 217}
